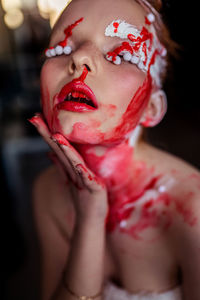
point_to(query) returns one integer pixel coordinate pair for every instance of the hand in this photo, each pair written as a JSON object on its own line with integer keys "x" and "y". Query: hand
{"x": 88, "y": 191}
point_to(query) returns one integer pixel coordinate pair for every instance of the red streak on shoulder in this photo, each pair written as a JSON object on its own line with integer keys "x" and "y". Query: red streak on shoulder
{"x": 186, "y": 213}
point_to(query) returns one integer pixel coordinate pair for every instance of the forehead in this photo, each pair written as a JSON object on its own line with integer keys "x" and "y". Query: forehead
{"x": 98, "y": 14}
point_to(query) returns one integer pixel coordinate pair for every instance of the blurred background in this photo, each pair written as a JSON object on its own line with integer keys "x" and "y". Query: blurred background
{"x": 24, "y": 32}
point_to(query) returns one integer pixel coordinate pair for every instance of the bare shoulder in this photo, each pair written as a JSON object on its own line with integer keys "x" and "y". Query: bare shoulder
{"x": 168, "y": 161}
{"x": 181, "y": 183}
{"x": 185, "y": 175}
{"x": 184, "y": 233}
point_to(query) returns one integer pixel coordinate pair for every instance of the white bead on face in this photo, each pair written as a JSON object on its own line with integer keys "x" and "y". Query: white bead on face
{"x": 63, "y": 47}
{"x": 58, "y": 50}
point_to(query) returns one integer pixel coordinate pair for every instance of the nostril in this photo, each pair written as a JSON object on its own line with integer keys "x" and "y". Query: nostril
{"x": 73, "y": 66}
{"x": 87, "y": 67}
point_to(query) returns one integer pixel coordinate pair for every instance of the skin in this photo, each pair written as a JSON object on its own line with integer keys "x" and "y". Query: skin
{"x": 104, "y": 173}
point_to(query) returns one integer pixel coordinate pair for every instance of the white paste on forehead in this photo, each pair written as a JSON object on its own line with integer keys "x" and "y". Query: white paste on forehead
{"x": 123, "y": 30}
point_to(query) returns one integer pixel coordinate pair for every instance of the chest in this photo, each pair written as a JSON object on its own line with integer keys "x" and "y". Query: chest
{"x": 145, "y": 264}
{"x": 138, "y": 259}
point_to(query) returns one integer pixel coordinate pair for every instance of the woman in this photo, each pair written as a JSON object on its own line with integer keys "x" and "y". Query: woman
{"x": 118, "y": 218}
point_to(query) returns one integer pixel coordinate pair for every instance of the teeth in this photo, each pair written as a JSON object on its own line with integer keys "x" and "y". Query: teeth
{"x": 69, "y": 96}
{"x": 78, "y": 97}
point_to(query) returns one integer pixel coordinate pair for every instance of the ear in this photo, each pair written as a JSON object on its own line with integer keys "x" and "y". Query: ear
{"x": 155, "y": 110}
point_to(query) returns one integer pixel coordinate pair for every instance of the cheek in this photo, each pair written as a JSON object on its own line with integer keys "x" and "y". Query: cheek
{"x": 121, "y": 84}
{"x": 134, "y": 110}
{"x": 45, "y": 95}
{"x": 48, "y": 87}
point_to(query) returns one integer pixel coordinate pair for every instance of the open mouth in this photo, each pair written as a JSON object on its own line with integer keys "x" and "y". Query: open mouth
{"x": 80, "y": 98}
{"x": 76, "y": 96}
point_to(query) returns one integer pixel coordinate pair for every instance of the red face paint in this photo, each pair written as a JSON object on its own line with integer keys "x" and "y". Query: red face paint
{"x": 133, "y": 113}
{"x": 116, "y": 25}
{"x": 68, "y": 32}
{"x": 63, "y": 43}
{"x": 79, "y": 91}
{"x": 124, "y": 47}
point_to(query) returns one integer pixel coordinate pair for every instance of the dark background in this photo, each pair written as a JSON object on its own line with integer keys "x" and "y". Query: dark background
{"x": 23, "y": 154}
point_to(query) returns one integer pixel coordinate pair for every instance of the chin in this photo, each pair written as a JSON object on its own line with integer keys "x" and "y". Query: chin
{"x": 89, "y": 131}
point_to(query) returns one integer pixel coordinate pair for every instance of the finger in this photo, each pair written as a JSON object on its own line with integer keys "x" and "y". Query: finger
{"x": 89, "y": 179}
{"x": 85, "y": 176}
{"x": 43, "y": 130}
{"x": 40, "y": 124}
{"x": 71, "y": 154}
{"x": 68, "y": 149}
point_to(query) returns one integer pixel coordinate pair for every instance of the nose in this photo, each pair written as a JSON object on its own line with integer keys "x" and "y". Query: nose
{"x": 84, "y": 56}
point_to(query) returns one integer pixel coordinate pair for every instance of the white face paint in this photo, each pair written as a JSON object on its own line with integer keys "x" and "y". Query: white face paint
{"x": 145, "y": 50}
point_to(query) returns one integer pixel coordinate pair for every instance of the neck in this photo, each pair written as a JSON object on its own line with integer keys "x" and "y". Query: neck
{"x": 126, "y": 178}
{"x": 113, "y": 163}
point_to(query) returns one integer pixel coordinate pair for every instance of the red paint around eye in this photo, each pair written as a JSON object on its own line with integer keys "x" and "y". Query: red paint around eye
{"x": 124, "y": 47}
{"x": 145, "y": 36}
{"x": 68, "y": 32}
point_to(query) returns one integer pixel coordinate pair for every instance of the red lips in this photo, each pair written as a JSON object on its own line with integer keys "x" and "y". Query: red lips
{"x": 76, "y": 87}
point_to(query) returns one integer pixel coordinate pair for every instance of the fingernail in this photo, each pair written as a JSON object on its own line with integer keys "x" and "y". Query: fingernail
{"x": 34, "y": 120}
{"x": 59, "y": 139}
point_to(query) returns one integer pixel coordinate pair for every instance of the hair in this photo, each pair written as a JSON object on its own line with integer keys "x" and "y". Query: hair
{"x": 155, "y": 7}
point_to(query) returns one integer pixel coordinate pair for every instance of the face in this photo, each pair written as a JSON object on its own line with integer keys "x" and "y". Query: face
{"x": 120, "y": 92}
